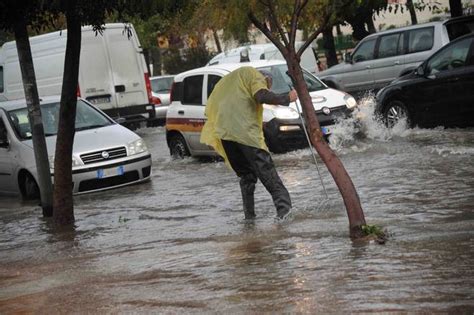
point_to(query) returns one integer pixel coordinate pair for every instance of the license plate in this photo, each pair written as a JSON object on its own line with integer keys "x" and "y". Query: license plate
{"x": 326, "y": 131}
{"x": 107, "y": 172}
{"x": 100, "y": 100}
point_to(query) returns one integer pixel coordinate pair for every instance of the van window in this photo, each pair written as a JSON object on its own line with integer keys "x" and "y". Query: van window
{"x": 365, "y": 51}
{"x": 1, "y": 79}
{"x": 420, "y": 39}
{"x": 389, "y": 45}
{"x": 192, "y": 92}
{"x": 211, "y": 83}
{"x": 450, "y": 58}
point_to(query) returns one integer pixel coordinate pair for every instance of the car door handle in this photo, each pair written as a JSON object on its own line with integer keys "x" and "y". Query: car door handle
{"x": 396, "y": 62}
{"x": 367, "y": 67}
{"x": 181, "y": 112}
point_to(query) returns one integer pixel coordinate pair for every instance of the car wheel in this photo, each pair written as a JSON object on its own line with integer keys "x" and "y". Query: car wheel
{"x": 178, "y": 147}
{"x": 394, "y": 112}
{"x": 30, "y": 189}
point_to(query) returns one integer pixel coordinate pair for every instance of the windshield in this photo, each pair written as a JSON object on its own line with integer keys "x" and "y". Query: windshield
{"x": 87, "y": 117}
{"x": 282, "y": 82}
{"x": 160, "y": 85}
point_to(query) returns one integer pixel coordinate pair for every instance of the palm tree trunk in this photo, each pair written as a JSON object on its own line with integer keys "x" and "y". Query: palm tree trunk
{"x": 63, "y": 200}
{"x": 34, "y": 114}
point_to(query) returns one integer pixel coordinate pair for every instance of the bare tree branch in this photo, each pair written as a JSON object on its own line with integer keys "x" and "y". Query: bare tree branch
{"x": 294, "y": 20}
{"x": 264, "y": 29}
{"x": 274, "y": 21}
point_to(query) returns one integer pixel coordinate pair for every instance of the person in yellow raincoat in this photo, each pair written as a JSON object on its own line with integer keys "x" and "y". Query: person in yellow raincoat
{"x": 233, "y": 128}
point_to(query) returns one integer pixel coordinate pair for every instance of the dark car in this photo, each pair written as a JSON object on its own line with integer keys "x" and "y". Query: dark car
{"x": 440, "y": 92}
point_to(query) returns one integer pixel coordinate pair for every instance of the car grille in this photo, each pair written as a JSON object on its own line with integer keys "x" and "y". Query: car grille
{"x": 98, "y": 156}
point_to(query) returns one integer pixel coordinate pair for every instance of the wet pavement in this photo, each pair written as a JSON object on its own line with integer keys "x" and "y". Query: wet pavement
{"x": 179, "y": 244}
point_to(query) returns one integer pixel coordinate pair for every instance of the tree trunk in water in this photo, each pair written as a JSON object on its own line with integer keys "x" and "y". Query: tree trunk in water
{"x": 334, "y": 165}
{"x": 63, "y": 201}
{"x": 34, "y": 114}
{"x": 218, "y": 42}
{"x": 329, "y": 47}
{"x": 411, "y": 9}
{"x": 456, "y": 7}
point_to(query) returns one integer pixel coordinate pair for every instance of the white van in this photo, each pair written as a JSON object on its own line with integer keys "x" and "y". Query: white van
{"x": 265, "y": 52}
{"x": 112, "y": 72}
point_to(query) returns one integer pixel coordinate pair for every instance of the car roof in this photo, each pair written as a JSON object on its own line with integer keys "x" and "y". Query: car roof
{"x": 400, "y": 29}
{"x": 229, "y": 67}
{"x": 21, "y": 103}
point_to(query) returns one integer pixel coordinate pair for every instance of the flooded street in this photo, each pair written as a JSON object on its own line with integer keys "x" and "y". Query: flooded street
{"x": 179, "y": 244}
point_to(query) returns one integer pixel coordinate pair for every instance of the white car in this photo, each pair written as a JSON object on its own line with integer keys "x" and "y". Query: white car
{"x": 105, "y": 154}
{"x": 282, "y": 125}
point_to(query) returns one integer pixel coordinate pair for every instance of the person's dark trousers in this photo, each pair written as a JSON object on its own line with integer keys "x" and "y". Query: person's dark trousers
{"x": 250, "y": 163}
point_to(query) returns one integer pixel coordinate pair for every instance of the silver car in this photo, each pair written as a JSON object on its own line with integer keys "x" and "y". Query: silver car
{"x": 381, "y": 57}
{"x": 105, "y": 154}
{"x": 161, "y": 88}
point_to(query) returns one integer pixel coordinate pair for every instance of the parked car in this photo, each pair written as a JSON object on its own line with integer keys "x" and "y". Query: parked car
{"x": 380, "y": 58}
{"x": 439, "y": 92}
{"x": 161, "y": 88}
{"x": 282, "y": 125}
{"x": 105, "y": 154}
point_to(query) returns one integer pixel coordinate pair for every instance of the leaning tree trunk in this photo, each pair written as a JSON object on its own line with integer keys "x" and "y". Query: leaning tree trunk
{"x": 411, "y": 9}
{"x": 333, "y": 163}
{"x": 329, "y": 47}
{"x": 34, "y": 114}
{"x": 217, "y": 41}
{"x": 63, "y": 201}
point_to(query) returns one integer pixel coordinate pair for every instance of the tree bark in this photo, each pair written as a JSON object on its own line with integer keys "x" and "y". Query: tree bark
{"x": 456, "y": 7}
{"x": 411, "y": 9}
{"x": 34, "y": 115}
{"x": 329, "y": 47}
{"x": 63, "y": 200}
{"x": 330, "y": 159}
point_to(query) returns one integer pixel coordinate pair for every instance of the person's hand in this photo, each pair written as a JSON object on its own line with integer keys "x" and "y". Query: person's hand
{"x": 293, "y": 95}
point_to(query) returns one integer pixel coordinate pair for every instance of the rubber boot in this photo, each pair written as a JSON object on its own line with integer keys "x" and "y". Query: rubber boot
{"x": 247, "y": 187}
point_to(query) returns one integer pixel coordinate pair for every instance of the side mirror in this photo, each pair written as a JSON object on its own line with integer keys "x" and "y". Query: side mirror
{"x": 4, "y": 143}
{"x": 347, "y": 58}
{"x": 420, "y": 71}
{"x": 120, "y": 120}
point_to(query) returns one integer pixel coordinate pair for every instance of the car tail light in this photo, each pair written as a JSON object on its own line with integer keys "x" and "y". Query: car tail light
{"x": 155, "y": 100}
{"x": 148, "y": 87}
{"x": 78, "y": 91}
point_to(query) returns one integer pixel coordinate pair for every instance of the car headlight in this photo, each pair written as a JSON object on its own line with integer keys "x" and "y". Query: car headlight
{"x": 75, "y": 162}
{"x": 284, "y": 112}
{"x": 136, "y": 147}
{"x": 350, "y": 101}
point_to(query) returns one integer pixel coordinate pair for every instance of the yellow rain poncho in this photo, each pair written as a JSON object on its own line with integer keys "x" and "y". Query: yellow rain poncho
{"x": 233, "y": 113}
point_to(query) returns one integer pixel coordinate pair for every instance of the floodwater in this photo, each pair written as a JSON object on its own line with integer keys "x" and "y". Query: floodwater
{"x": 179, "y": 244}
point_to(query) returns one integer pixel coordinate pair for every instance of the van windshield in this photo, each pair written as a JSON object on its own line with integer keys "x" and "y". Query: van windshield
{"x": 87, "y": 117}
{"x": 282, "y": 82}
